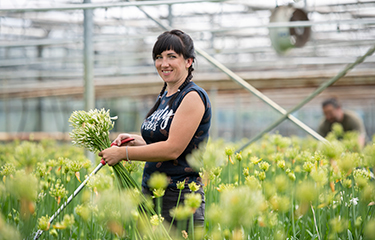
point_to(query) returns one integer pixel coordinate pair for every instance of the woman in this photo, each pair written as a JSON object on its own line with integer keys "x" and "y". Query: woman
{"x": 178, "y": 122}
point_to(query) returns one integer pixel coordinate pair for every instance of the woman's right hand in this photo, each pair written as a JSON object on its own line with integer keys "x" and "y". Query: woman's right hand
{"x": 123, "y": 136}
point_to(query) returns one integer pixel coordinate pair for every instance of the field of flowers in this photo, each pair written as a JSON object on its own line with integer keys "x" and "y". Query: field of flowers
{"x": 277, "y": 188}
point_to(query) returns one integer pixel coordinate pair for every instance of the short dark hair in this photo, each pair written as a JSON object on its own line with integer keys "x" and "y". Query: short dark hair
{"x": 331, "y": 101}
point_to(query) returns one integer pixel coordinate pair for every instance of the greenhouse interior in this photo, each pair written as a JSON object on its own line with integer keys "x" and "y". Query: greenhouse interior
{"x": 42, "y": 49}
{"x": 240, "y": 155}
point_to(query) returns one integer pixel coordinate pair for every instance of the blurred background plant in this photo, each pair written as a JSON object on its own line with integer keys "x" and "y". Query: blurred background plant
{"x": 296, "y": 188}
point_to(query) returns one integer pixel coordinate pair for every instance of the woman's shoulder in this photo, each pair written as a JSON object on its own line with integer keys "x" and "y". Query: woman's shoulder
{"x": 194, "y": 87}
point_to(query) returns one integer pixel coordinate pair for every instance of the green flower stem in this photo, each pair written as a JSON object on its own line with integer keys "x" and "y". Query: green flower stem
{"x": 191, "y": 232}
{"x": 315, "y": 222}
{"x": 353, "y": 209}
{"x": 178, "y": 201}
{"x": 228, "y": 169}
{"x": 158, "y": 205}
{"x": 292, "y": 212}
{"x": 239, "y": 173}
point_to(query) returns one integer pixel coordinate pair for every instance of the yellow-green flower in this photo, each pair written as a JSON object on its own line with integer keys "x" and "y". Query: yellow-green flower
{"x": 214, "y": 213}
{"x": 23, "y": 186}
{"x": 158, "y": 180}
{"x": 306, "y": 192}
{"x": 255, "y": 159}
{"x": 308, "y": 166}
{"x": 28, "y": 154}
{"x": 7, "y": 169}
{"x": 264, "y": 166}
{"x": 238, "y": 157}
{"x": 193, "y": 200}
{"x": 181, "y": 212}
{"x": 358, "y": 222}
{"x": 292, "y": 176}
{"x": 361, "y": 177}
{"x": 240, "y": 206}
{"x": 43, "y": 223}
{"x": 216, "y": 171}
{"x": 100, "y": 182}
{"x": 281, "y": 182}
{"x": 83, "y": 212}
{"x": 338, "y": 224}
{"x": 320, "y": 175}
{"x": 368, "y": 193}
{"x": 229, "y": 151}
{"x": 180, "y": 185}
{"x": 281, "y": 164}
{"x": 369, "y": 231}
{"x": 347, "y": 183}
{"x": 7, "y": 231}
{"x": 193, "y": 186}
{"x": 158, "y": 192}
{"x": 58, "y": 191}
{"x": 53, "y": 233}
{"x": 253, "y": 183}
{"x": 246, "y": 172}
{"x": 156, "y": 220}
{"x": 262, "y": 176}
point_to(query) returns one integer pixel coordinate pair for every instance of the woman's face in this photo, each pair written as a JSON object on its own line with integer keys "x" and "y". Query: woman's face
{"x": 172, "y": 67}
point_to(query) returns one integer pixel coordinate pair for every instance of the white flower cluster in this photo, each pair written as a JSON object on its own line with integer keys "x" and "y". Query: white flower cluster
{"x": 91, "y": 129}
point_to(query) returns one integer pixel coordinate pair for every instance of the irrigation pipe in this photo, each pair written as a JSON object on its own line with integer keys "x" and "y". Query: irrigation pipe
{"x": 245, "y": 85}
{"x": 75, "y": 193}
{"x": 311, "y": 96}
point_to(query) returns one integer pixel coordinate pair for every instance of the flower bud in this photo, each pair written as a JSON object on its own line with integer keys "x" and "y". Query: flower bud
{"x": 229, "y": 151}
{"x": 180, "y": 185}
{"x": 193, "y": 200}
{"x": 347, "y": 183}
{"x": 158, "y": 180}
{"x": 264, "y": 166}
{"x": 262, "y": 176}
{"x": 292, "y": 176}
{"x": 238, "y": 157}
{"x": 181, "y": 212}
{"x": 246, "y": 172}
{"x": 156, "y": 220}
{"x": 43, "y": 223}
{"x": 255, "y": 159}
{"x": 159, "y": 192}
{"x": 53, "y": 233}
{"x": 307, "y": 167}
{"x": 281, "y": 164}
{"x": 193, "y": 186}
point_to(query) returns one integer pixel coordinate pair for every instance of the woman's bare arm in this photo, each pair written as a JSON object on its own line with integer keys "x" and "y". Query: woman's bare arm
{"x": 183, "y": 127}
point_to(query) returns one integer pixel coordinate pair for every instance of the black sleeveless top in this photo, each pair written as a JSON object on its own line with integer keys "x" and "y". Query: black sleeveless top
{"x": 155, "y": 128}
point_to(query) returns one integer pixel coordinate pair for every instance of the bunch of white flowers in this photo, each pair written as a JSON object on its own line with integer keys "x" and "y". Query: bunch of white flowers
{"x": 91, "y": 129}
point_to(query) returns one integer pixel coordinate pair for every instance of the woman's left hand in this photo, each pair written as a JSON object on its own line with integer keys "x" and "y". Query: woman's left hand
{"x": 111, "y": 155}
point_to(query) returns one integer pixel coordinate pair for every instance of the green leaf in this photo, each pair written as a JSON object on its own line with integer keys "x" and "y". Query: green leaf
{"x": 350, "y": 235}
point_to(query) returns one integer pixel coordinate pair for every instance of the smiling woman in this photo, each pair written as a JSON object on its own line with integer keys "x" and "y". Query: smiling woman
{"x": 176, "y": 125}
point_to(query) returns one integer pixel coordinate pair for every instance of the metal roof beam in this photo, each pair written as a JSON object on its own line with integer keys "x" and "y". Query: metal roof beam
{"x": 101, "y": 5}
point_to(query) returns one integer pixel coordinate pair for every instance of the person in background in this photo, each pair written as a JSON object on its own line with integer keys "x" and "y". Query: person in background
{"x": 176, "y": 125}
{"x": 349, "y": 120}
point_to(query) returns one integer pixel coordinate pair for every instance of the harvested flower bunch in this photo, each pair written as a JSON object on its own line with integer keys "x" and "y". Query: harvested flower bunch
{"x": 91, "y": 131}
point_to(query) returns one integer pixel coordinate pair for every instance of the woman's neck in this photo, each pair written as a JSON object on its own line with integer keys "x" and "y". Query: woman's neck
{"x": 172, "y": 88}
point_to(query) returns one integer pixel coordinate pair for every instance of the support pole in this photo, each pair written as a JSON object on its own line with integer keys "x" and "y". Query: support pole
{"x": 311, "y": 96}
{"x": 39, "y": 112}
{"x": 88, "y": 62}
